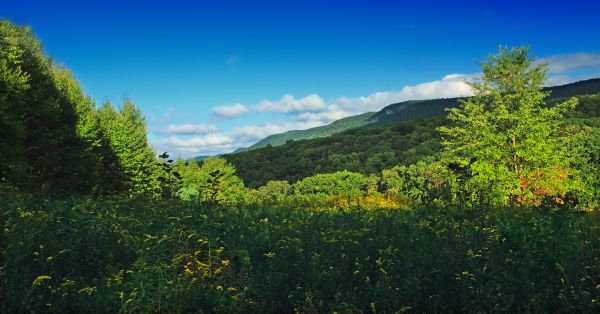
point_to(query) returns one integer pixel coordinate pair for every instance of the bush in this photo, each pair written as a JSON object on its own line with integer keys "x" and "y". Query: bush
{"x": 344, "y": 183}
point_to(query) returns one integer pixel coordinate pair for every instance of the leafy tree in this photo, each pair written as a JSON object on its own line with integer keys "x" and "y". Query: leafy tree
{"x": 587, "y": 144}
{"x": 171, "y": 180}
{"x": 126, "y": 131}
{"x": 273, "y": 191}
{"x": 50, "y": 140}
{"x": 97, "y": 157}
{"x": 516, "y": 141}
{"x": 343, "y": 183}
{"x": 220, "y": 184}
{"x": 423, "y": 182}
{"x": 215, "y": 181}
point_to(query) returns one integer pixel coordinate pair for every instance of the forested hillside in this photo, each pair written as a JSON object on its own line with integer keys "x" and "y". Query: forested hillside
{"x": 364, "y": 150}
{"x": 408, "y": 111}
{"x": 369, "y": 150}
{"x": 492, "y": 208}
{"x": 321, "y": 131}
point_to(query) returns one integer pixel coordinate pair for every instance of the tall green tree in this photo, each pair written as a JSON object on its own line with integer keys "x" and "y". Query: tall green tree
{"x": 126, "y": 132}
{"x": 97, "y": 158}
{"x": 47, "y": 127}
{"x": 512, "y": 142}
{"x": 214, "y": 181}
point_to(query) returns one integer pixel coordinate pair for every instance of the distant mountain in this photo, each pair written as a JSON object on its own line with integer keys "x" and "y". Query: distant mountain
{"x": 406, "y": 111}
{"x": 417, "y": 109}
{"x": 414, "y": 109}
{"x": 200, "y": 158}
{"x": 585, "y": 87}
{"x": 321, "y": 131}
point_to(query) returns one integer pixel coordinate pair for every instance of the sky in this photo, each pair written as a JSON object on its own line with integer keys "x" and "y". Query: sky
{"x": 213, "y": 76}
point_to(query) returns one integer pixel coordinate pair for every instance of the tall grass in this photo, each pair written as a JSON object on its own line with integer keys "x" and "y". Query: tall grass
{"x": 67, "y": 255}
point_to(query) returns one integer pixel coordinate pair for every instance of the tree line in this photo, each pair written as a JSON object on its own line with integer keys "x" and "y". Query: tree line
{"x": 509, "y": 144}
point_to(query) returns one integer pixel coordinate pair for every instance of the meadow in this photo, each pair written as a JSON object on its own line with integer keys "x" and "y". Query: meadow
{"x": 88, "y": 255}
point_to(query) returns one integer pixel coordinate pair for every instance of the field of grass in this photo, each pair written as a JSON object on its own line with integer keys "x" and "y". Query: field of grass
{"x": 89, "y": 255}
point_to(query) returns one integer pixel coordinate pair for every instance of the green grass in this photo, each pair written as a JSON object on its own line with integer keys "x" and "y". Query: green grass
{"x": 82, "y": 255}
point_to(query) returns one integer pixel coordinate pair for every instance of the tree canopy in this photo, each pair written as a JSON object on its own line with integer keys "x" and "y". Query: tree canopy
{"x": 512, "y": 141}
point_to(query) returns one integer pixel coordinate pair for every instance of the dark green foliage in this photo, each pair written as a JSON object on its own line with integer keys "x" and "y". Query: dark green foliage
{"x": 171, "y": 180}
{"x": 364, "y": 150}
{"x": 344, "y": 183}
{"x": 127, "y": 138}
{"x": 82, "y": 255}
{"x": 425, "y": 183}
{"x": 50, "y": 140}
{"x": 591, "y": 86}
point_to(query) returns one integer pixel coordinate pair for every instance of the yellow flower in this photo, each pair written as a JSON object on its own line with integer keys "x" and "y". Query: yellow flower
{"x": 41, "y": 279}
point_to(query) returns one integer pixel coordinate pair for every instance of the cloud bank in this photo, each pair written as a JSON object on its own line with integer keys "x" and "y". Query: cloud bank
{"x": 306, "y": 112}
{"x": 572, "y": 62}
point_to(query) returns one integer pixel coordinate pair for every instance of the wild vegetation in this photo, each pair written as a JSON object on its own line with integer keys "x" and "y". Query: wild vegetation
{"x": 493, "y": 208}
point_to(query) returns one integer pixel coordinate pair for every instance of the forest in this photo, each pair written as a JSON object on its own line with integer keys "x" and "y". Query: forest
{"x": 491, "y": 206}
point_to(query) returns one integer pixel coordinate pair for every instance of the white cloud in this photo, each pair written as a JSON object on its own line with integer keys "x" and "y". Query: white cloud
{"x": 228, "y": 112}
{"x": 221, "y": 142}
{"x": 331, "y": 114}
{"x": 452, "y": 85}
{"x": 572, "y": 62}
{"x": 189, "y": 129}
{"x": 205, "y": 140}
{"x": 288, "y": 104}
{"x": 557, "y": 80}
{"x": 209, "y": 144}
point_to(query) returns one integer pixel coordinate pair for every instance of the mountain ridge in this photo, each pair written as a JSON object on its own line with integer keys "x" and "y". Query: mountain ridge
{"x": 405, "y": 111}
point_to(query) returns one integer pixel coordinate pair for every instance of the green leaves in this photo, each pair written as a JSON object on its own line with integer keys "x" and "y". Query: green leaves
{"x": 215, "y": 181}
{"x": 516, "y": 140}
{"x": 344, "y": 183}
{"x": 127, "y": 137}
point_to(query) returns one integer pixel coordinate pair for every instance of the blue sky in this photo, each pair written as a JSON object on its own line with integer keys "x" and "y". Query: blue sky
{"x": 217, "y": 75}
